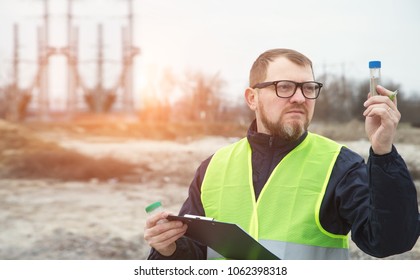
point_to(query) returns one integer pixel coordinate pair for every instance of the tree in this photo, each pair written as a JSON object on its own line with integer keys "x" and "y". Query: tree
{"x": 336, "y": 99}
{"x": 361, "y": 96}
{"x": 409, "y": 106}
{"x": 201, "y": 97}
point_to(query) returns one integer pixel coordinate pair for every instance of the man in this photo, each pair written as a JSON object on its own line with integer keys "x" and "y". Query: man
{"x": 297, "y": 193}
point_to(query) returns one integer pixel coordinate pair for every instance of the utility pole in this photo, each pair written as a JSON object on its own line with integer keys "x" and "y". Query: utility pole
{"x": 43, "y": 59}
{"x": 129, "y": 52}
{"x": 17, "y": 98}
{"x": 71, "y": 56}
{"x": 16, "y": 47}
{"x": 99, "y": 94}
{"x": 13, "y": 112}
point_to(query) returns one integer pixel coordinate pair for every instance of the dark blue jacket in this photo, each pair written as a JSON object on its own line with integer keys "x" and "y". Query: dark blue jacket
{"x": 376, "y": 201}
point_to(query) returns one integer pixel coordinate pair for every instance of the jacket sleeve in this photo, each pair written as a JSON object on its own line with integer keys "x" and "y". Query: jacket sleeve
{"x": 379, "y": 203}
{"x": 186, "y": 248}
{"x": 394, "y": 204}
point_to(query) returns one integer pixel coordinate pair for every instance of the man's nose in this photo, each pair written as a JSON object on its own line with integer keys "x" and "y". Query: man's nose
{"x": 298, "y": 97}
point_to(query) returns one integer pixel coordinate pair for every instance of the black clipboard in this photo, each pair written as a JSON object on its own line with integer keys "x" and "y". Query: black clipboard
{"x": 229, "y": 240}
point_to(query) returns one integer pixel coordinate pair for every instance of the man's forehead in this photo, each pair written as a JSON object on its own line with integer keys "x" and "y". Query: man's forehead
{"x": 284, "y": 66}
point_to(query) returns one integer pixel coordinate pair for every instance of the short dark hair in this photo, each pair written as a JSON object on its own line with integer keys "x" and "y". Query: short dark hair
{"x": 258, "y": 71}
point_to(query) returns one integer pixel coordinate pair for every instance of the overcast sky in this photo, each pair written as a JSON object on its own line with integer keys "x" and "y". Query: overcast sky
{"x": 226, "y": 36}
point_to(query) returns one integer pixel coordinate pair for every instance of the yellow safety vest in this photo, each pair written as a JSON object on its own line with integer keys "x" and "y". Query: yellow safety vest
{"x": 285, "y": 218}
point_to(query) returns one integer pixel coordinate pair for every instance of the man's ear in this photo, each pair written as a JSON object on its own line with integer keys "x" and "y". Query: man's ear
{"x": 251, "y": 98}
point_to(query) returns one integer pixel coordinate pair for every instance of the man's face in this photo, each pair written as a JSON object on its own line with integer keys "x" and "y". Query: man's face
{"x": 287, "y": 118}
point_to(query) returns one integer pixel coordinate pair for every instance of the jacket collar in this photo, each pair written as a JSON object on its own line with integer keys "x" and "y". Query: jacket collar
{"x": 261, "y": 140}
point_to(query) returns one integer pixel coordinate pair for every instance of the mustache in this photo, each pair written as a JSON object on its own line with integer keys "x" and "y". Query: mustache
{"x": 296, "y": 108}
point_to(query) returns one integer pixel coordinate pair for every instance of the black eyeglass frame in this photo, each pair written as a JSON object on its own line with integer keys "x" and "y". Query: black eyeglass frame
{"x": 300, "y": 85}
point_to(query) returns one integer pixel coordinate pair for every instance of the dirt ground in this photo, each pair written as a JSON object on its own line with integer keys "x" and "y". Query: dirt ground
{"x": 55, "y": 219}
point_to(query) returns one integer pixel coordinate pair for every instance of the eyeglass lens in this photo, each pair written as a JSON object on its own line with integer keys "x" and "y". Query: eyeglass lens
{"x": 288, "y": 88}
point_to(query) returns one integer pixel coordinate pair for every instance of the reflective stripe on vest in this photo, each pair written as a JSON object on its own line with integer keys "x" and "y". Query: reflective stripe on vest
{"x": 296, "y": 251}
{"x": 286, "y": 215}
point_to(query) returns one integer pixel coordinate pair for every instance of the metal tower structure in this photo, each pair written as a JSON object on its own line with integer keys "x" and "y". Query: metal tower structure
{"x": 98, "y": 99}
{"x": 129, "y": 52}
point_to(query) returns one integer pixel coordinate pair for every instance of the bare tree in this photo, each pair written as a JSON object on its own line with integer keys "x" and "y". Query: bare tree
{"x": 201, "y": 100}
{"x": 336, "y": 99}
{"x": 13, "y": 102}
{"x": 409, "y": 106}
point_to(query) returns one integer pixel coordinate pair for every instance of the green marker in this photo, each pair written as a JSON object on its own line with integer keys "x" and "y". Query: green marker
{"x": 393, "y": 95}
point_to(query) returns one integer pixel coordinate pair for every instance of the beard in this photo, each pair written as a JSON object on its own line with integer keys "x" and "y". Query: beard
{"x": 289, "y": 131}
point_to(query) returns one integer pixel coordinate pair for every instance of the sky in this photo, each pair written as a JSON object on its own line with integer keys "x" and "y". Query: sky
{"x": 223, "y": 37}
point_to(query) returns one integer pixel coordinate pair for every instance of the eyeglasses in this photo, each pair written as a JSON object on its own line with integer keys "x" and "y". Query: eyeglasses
{"x": 286, "y": 89}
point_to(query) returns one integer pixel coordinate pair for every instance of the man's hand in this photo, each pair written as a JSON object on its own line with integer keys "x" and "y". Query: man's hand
{"x": 382, "y": 118}
{"x": 161, "y": 234}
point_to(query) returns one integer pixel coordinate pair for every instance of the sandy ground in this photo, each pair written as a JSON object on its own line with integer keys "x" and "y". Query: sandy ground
{"x": 46, "y": 219}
